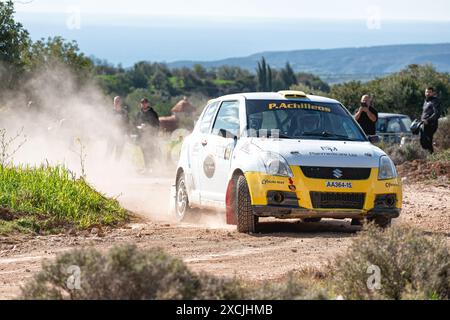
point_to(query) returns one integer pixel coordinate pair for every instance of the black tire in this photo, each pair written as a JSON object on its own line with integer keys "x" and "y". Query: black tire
{"x": 183, "y": 212}
{"x": 312, "y": 220}
{"x": 247, "y": 222}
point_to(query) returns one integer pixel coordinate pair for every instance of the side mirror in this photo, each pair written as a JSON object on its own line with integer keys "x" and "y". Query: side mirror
{"x": 374, "y": 139}
{"x": 227, "y": 134}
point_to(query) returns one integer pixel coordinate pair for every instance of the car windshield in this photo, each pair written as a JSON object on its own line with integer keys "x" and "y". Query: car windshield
{"x": 301, "y": 120}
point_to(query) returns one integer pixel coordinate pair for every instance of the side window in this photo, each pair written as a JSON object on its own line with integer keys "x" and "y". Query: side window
{"x": 227, "y": 118}
{"x": 205, "y": 123}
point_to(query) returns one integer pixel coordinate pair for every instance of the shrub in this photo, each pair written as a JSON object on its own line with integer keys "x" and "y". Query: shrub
{"x": 124, "y": 273}
{"x": 442, "y": 137}
{"x": 413, "y": 265}
{"x": 408, "y": 152}
{"x": 294, "y": 288}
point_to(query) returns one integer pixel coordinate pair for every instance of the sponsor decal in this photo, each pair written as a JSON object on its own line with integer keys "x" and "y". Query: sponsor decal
{"x": 209, "y": 167}
{"x": 304, "y": 106}
{"x": 330, "y": 149}
{"x": 339, "y": 185}
{"x": 390, "y": 185}
{"x": 324, "y": 154}
{"x": 267, "y": 181}
{"x": 292, "y": 188}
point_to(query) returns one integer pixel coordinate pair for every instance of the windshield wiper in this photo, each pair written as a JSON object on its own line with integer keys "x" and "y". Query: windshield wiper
{"x": 326, "y": 134}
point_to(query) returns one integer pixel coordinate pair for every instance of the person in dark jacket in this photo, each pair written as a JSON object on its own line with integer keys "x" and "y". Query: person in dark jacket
{"x": 367, "y": 116}
{"x": 147, "y": 116}
{"x": 147, "y": 122}
{"x": 120, "y": 129}
{"x": 430, "y": 117}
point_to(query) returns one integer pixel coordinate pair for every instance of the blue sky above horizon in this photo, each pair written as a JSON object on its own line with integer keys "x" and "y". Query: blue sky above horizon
{"x": 133, "y": 30}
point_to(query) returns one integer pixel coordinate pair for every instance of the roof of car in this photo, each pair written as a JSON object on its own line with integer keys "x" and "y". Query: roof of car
{"x": 275, "y": 96}
{"x": 389, "y": 115}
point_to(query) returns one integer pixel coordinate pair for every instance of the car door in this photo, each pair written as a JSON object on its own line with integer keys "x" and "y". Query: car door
{"x": 197, "y": 147}
{"x": 217, "y": 153}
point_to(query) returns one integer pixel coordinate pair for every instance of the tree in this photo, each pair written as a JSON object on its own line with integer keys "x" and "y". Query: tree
{"x": 48, "y": 52}
{"x": 14, "y": 45}
{"x": 265, "y": 76}
{"x": 288, "y": 76}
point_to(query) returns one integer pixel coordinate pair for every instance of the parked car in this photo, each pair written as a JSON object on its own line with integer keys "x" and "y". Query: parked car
{"x": 284, "y": 155}
{"x": 394, "y": 128}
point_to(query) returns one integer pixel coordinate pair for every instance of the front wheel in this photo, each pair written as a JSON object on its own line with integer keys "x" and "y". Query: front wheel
{"x": 183, "y": 212}
{"x": 247, "y": 222}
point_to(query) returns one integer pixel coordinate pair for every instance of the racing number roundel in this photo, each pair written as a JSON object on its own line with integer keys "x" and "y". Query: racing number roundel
{"x": 209, "y": 167}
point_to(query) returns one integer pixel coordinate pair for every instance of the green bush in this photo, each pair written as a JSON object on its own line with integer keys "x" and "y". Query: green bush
{"x": 413, "y": 265}
{"x": 44, "y": 199}
{"x": 125, "y": 273}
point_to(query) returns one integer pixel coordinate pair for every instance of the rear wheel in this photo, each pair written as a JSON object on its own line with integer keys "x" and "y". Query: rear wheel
{"x": 247, "y": 222}
{"x": 182, "y": 210}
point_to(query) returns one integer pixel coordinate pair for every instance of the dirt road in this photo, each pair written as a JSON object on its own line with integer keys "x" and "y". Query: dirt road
{"x": 212, "y": 246}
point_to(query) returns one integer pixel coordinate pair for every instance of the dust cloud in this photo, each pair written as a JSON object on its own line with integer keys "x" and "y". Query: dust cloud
{"x": 70, "y": 124}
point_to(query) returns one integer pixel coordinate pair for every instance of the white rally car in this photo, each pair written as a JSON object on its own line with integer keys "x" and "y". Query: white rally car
{"x": 284, "y": 155}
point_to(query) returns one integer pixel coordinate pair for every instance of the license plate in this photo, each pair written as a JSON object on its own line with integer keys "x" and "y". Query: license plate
{"x": 339, "y": 185}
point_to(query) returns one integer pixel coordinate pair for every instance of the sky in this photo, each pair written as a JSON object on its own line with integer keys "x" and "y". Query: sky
{"x": 343, "y": 9}
{"x": 128, "y": 31}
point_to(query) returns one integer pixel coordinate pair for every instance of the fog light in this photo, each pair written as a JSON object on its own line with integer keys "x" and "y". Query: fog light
{"x": 390, "y": 201}
{"x": 386, "y": 201}
{"x": 278, "y": 197}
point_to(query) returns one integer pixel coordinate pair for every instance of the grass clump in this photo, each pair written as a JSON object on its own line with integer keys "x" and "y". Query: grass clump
{"x": 441, "y": 156}
{"x": 412, "y": 266}
{"x": 47, "y": 199}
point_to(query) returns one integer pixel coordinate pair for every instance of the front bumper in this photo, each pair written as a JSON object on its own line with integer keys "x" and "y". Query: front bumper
{"x": 300, "y": 192}
{"x": 303, "y": 213}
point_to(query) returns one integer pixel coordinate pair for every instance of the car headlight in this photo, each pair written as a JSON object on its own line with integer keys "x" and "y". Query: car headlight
{"x": 276, "y": 165}
{"x": 387, "y": 169}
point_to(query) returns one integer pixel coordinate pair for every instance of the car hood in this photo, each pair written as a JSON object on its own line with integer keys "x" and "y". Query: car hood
{"x": 323, "y": 153}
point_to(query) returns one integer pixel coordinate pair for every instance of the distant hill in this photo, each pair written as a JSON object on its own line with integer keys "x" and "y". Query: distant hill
{"x": 337, "y": 65}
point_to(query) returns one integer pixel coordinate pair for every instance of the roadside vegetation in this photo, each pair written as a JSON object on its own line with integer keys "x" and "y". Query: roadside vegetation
{"x": 45, "y": 199}
{"x": 411, "y": 265}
